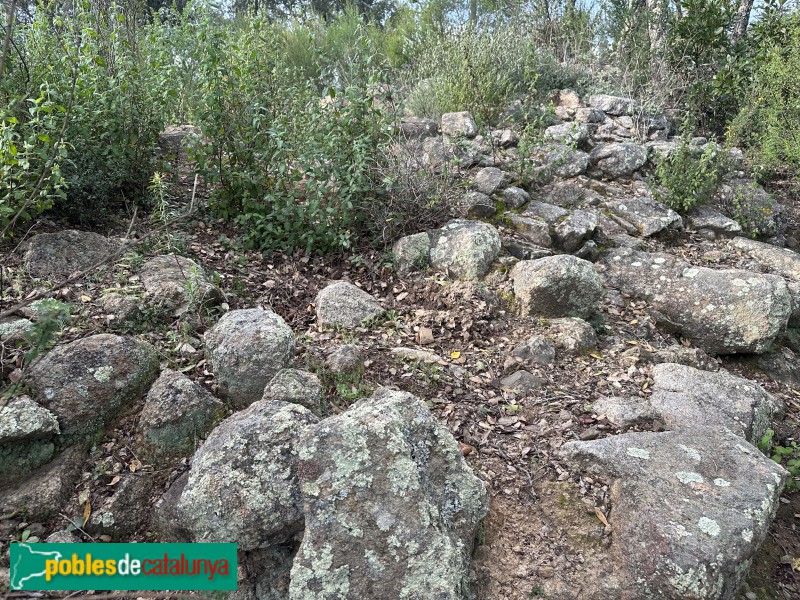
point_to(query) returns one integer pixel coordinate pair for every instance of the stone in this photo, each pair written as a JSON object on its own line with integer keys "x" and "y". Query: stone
{"x": 534, "y": 229}
{"x": 705, "y": 217}
{"x": 568, "y": 194}
{"x": 178, "y": 284}
{"x": 175, "y": 139}
{"x": 525, "y": 250}
{"x": 612, "y": 105}
{"x": 514, "y": 197}
{"x": 296, "y": 387}
{"x": 648, "y": 216}
{"x": 415, "y": 355}
{"x": 27, "y": 433}
{"x": 589, "y": 115}
{"x": 87, "y": 382}
{"x": 477, "y": 205}
{"x": 459, "y": 124}
{"x": 62, "y": 536}
{"x": 14, "y": 330}
{"x": 243, "y": 484}
{"x": 490, "y": 180}
{"x": 505, "y": 138}
{"x": 418, "y": 128}
{"x": 686, "y": 397}
{"x": 781, "y": 261}
{"x": 522, "y": 382}
{"x": 690, "y": 509}
{"x": 625, "y": 412}
{"x": 536, "y": 350}
{"x": 166, "y": 521}
{"x": 411, "y": 252}
{"x": 419, "y": 505}
{"x": 465, "y": 249}
{"x": 246, "y": 348}
{"x": 692, "y": 357}
{"x": 574, "y": 134}
{"x": 572, "y": 335}
{"x": 177, "y": 414}
{"x": 66, "y": 252}
{"x": 782, "y": 366}
{"x": 435, "y": 154}
{"x": 344, "y": 358}
{"x": 342, "y": 304}
{"x": 123, "y": 311}
{"x": 566, "y": 162}
{"x": 618, "y": 159}
{"x": 549, "y": 213}
{"x": 575, "y": 229}
{"x": 556, "y": 286}
{"x": 567, "y": 98}
{"x": 44, "y": 492}
{"x": 722, "y": 311}
{"x": 122, "y": 514}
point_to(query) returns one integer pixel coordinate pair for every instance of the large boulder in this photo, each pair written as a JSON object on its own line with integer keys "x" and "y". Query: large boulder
{"x": 65, "y": 252}
{"x": 418, "y": 128}
{"x": 26, "y": 437}
{"x": 87, "y": 382}
{"x": 758, "y": 212}
{"x": 564, "y": 161}
{"x": 121, "y": 514}
{"x": 243, "y": 485}
{"x": 411, "y": 252}
{"x": 465, "y": 249}
{"x": 532, "y": 228}
{"x": 612, "y": 105}
{"x": 391, "y": 507}
{"x": 618, "y": 159}
{"x": 690, "y": 509}
{"x": 177, "y": 283}
{"x": 781, "y": 261}
{"x": 342, "y": 304}
{"x": 177, "y": 413}
{"x": 645, "y": 214}
{"x": 490, "y": 180}
{"x": 297, "y": 387}
{"x": 459, "y": 124}
{"x": 574, "y": 230}
{"x": 722, "y": 311}
{"x": 574, "y": 133}
{"x": 246, "y": 348}
{"x": 687, "y": 398}
{"x": 44, "y": 492}
{"x": 556, "y": 286}
{"x": 706, "y": 218}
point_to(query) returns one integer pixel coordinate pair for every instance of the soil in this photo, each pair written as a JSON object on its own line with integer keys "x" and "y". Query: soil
{"x": 546, "y": 534}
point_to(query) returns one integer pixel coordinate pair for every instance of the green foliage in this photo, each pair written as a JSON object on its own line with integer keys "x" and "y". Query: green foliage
{"x": 30, "y": 156}
{"x": 298, "y": 171}
{"x": 689, "y": 177}
{"x": 480, "y": 71}
{"x": 787, "y": 456}
{"x": 51, "y": 317}
{"x": 769, "y": 121}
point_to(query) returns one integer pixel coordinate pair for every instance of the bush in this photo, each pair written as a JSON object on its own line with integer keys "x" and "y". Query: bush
{"x": 689, "y": 177}
{"x": 477, "y": 71}
{"x": 769, "y": 122}
{"x": 297, "y": 170}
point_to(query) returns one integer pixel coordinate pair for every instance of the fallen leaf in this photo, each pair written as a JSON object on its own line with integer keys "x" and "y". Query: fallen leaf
{"x": 596, "y": 355}
{"x": 455, "y": 355}
{"x": 87, "y": 512}
{"x": 600, "y": 515}
{"x": 466, "y": 449}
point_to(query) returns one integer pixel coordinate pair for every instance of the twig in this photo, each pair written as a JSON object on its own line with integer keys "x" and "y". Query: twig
{"x": 75, "y": 525}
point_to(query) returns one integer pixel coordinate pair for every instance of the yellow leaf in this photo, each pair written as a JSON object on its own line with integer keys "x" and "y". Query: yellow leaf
{"x": 87, "y": 512}
{"x": 596, "y": 355}
{"x": 646, "y": 385}
{"x": 85, "y": 298}
{"x": 455, "y": 355}
{"x": 600, "y": 515}
{"x": 633, "y": 342}
{"x": 796, "y": 564}
{"x": 634, "y": 322}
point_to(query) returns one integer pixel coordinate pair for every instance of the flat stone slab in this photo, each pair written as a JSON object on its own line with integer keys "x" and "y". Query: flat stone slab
{"x": 647, "y": 215}
{"x": 689, "y": 509}
{"x": 65, "y": 252}
{"x": 781, "y": 261}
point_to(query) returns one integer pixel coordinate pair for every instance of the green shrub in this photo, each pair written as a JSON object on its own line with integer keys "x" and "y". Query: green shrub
{"x": 31, "y": 156}
{"x": 477, "y": 71}
{"x": 769, "y": 121}
{"x": 689, "y": 177}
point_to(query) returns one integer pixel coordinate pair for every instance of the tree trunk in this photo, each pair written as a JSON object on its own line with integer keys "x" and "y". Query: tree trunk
{"x": 741, "y": 20}
{"x": 12, "y": 12}
{"x": 657, "y": 32}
